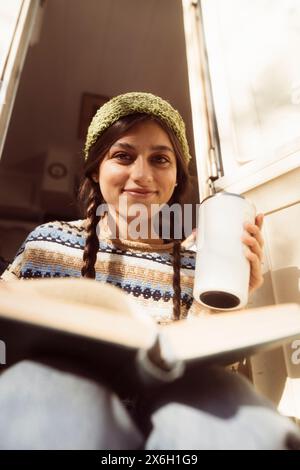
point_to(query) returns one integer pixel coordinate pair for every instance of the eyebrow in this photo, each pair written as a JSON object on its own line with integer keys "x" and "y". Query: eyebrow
{"x": 125, "y": 145}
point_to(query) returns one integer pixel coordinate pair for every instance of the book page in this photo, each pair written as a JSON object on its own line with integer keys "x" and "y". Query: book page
{"x": 79, "y": 306}
{"x": 217, "y": 334}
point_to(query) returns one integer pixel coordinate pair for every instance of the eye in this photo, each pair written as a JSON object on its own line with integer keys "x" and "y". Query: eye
{"x": 161, "y": 159}
{"x": 123, "y": 157}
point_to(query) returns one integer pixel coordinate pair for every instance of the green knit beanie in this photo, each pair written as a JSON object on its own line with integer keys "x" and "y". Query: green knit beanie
{"x": 136, "y": 102}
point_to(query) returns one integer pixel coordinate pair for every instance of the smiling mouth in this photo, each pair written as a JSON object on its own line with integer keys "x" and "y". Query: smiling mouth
{"x": 139, "y": 193}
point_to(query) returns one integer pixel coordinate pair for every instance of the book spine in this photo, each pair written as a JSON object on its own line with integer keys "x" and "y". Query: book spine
{"x": 154, "y": 370}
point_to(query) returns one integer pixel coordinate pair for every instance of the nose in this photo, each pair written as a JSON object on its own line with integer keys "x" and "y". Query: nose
{"x": 141, "y": 170}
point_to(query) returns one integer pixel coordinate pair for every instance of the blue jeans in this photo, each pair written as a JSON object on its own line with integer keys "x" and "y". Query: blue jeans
{"x": 42, "y": 407}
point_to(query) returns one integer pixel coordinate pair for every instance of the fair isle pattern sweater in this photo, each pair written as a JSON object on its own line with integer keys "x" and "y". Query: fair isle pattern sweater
{"x": 143, "y": 270}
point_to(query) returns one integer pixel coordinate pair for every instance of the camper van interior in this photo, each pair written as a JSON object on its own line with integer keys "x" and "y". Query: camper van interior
{"x": 78, "y": 58}
{"x": 230, "y": 67}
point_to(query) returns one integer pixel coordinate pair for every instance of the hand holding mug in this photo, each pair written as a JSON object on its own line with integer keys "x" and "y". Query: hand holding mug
{"x": 253, "y": 240}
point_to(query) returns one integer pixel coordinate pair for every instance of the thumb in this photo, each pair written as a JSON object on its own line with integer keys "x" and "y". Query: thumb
{"x": 190, "y": 240}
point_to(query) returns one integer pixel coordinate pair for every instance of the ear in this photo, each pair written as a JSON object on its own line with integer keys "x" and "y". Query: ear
{"x": 95, "y": 178}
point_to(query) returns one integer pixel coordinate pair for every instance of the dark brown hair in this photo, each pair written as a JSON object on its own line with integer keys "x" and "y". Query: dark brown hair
{"x": 90, "y": 196}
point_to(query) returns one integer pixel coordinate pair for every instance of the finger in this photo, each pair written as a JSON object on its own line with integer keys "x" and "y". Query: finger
{"x": 256, "y": 277}
{"x": 259, "y": 219}
{"x": 255, "y": 262}
{"x": 190, "y": 240}
{"x": 253, "y": 245}
{"x": 256, "y": 249}
{"x": 254, "y": 230}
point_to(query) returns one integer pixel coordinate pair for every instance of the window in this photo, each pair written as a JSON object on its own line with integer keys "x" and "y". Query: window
{"x": 250, "y": 58}
{"x": 16, "y": 24}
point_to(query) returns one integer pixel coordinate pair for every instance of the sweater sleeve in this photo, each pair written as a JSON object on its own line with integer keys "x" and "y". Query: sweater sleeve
{"x": 197, "y": 309}
{"x": 13, "y": 271}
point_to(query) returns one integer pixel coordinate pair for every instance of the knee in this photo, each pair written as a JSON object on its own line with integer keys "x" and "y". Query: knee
{"x": 64, "y": 411}
{"x": 214, "y": 389}
{"x": 217, "y": 409}
{"x": 178, "y": 426}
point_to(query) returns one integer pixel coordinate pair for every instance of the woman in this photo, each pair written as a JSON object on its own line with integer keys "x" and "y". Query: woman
{"x": 136, "y": 122}
{"x": 136, "y": 153}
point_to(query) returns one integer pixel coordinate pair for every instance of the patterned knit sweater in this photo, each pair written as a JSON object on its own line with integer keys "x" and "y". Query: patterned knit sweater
{"x": 143, "y": 270}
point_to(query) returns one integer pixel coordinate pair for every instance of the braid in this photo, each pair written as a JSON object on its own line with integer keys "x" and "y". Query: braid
{"x": 176, "y": 281}
{"x": 92, "y": 241}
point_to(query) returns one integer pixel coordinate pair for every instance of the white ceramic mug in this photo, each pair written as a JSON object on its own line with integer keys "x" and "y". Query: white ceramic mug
{"x": 222, "y": 269}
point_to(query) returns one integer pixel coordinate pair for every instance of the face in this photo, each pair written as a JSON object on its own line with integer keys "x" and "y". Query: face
{"x": 139, "y": 168}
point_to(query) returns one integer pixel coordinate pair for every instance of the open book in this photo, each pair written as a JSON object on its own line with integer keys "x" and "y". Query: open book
{"x": 96, "y": 327}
